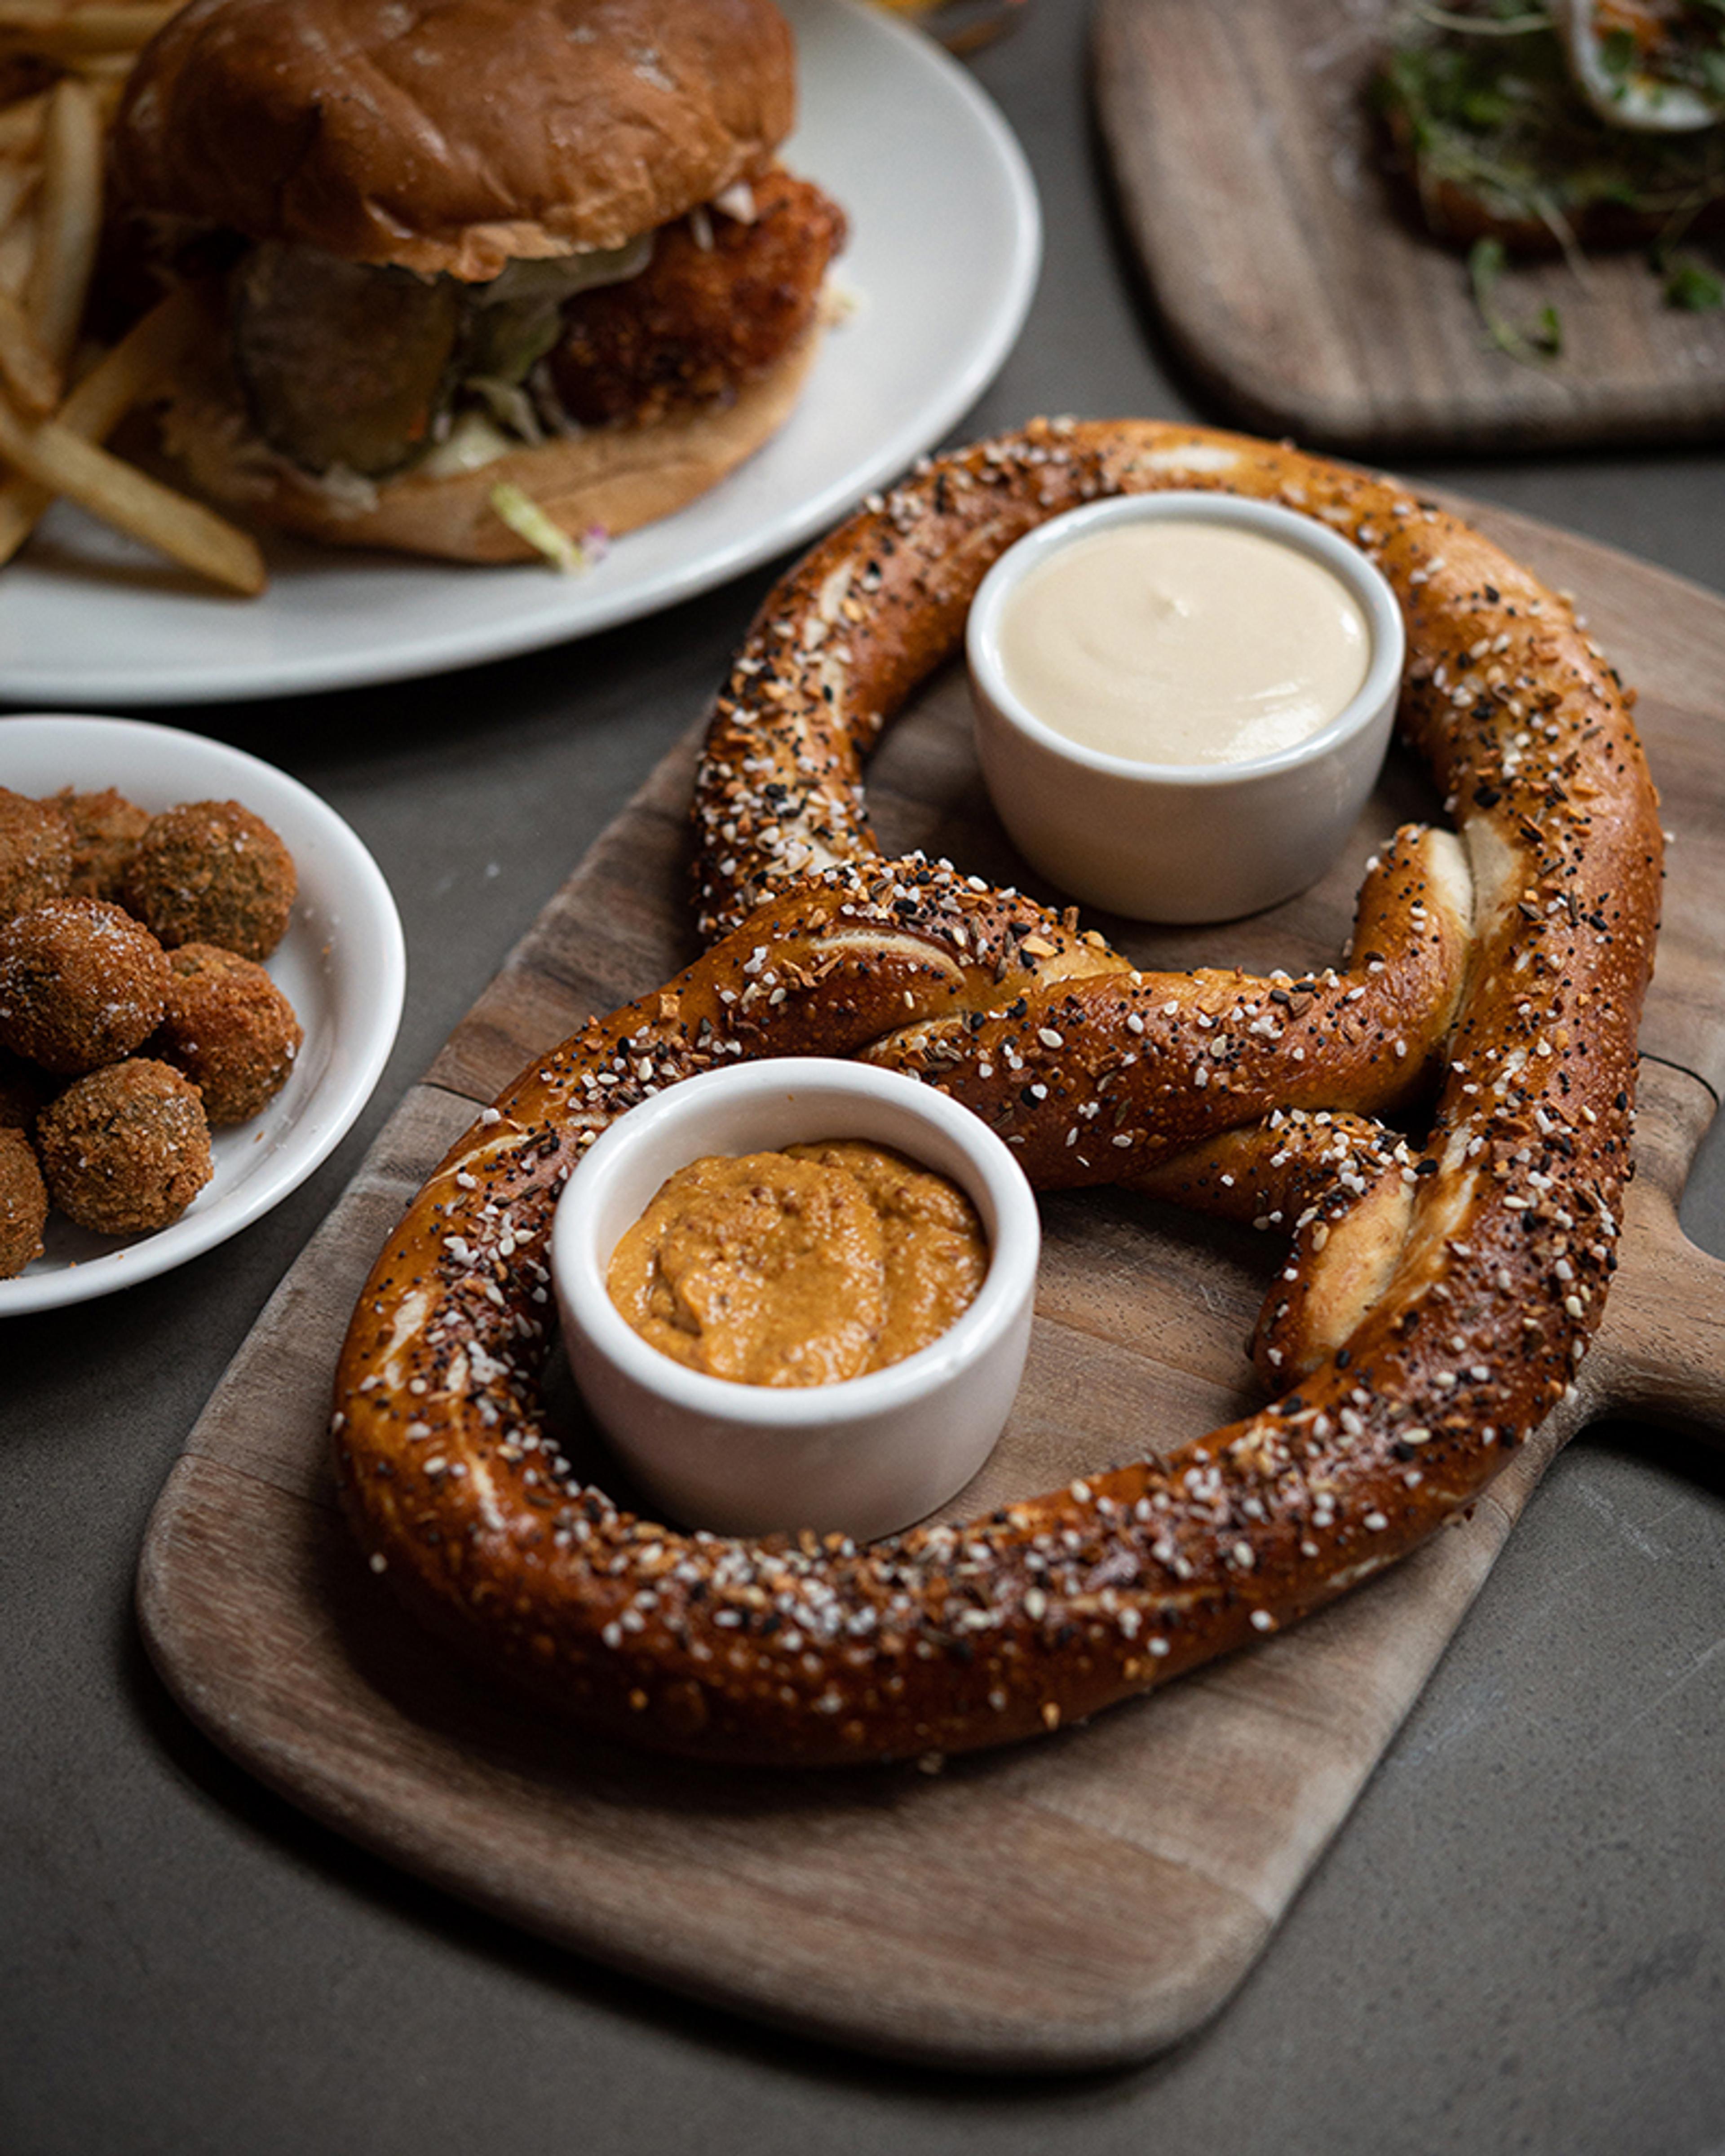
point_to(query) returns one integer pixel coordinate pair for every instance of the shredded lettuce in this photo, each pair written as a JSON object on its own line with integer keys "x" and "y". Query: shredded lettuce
{"x": 473, "y": 440}
{"x": 509, "y": 404}
{"x": 506, "y": 344}
{"x": 551, "y": 279}
{"x": 528, "y": 520}
{"x": 511, "y": 324}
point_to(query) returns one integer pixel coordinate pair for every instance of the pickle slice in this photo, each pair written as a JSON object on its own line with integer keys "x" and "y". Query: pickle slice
{"x": 342, "y": 364}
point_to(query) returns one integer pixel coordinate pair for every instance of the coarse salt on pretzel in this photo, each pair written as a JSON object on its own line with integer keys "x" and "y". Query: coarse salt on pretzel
{"x": 1440, "y": 1296}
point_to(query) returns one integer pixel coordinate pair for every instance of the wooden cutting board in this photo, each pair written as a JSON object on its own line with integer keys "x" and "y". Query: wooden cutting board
{"x": 1070, "y": 1903}
{"x": 1300, "y": 295}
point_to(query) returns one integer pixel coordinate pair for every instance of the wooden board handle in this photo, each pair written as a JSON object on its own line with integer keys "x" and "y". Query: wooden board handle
{"x": 1661, "y": 1350}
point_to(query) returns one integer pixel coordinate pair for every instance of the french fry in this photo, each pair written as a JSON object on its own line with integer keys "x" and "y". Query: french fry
{"x": 58, "y": 32}
{"x": 135, "y": 367}
{"x": 21, "y": 126}
{"x": 19, "y": 183}
{"x": 119, "y": 494}
{"x": 28, "y": 370}
{"x": 70, "y": 217}
{"x": 17, "y": 251}
{"x": 134, "y": 370}
{"x": 108, "y": 71}
{"x": 51, "y": 144}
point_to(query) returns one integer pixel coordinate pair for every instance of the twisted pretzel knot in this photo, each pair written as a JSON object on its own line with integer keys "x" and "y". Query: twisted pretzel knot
{"x": 1437, "y": 1301}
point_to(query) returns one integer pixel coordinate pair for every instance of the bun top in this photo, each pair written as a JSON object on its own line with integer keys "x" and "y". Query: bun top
{"x": 452, "y": 134}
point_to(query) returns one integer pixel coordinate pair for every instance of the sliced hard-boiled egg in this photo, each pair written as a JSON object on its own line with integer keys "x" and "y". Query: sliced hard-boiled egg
{"x": 1627, "y": 58}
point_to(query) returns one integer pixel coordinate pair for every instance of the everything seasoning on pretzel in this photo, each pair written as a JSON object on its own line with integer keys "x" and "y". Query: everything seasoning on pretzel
{"x": 1439, "y": 1293}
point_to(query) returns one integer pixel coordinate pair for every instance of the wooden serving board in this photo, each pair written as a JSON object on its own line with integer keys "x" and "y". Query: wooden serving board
{"x": 1300, "y": 294}
{"x": 1150, "y": 1854}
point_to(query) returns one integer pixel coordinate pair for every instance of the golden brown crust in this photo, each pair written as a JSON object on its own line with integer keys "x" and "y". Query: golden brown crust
{"x": 81, "y": 984}
{"x": 718, "y": 306}
{"x": 106, "y": 831}
{"x": 452, "y": 134}
{"x": 213, "y": 872}
{"x": 125, "y": 1150}
{"x": 1464, "y": 1325}
{"x": 24, "y": 1203}
{"x": 36, "y": 852}
{"x": 229, "y": 1029}
{"x": 1135, "y": 1064}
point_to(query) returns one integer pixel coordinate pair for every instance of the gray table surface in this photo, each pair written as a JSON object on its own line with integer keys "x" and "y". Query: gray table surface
{"x": 1517, "y": 1942}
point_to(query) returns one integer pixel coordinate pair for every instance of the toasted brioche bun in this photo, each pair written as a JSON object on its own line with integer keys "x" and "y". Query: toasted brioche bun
{"x": 452, "y": 135}
{"x": 613, "y": 479}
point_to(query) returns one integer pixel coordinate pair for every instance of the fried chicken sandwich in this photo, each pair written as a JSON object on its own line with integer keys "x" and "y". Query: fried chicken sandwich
{"x": 483, "y": 272}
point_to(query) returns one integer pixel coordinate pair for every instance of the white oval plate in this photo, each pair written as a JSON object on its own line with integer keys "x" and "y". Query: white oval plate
{"x": 945, "y": 243}
{"x": 342, "y": 965}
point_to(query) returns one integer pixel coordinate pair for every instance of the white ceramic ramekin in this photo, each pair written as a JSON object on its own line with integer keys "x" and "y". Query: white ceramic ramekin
{"x": 863, "y": 1457}
{"x": 1171, "y": 842}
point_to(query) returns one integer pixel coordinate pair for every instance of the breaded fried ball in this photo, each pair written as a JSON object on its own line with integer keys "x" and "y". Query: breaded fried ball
{"x": 35, "y": 852}
{"x": 229, "y": 1029}
{"x": 211, "y": 872}
{"x": 23, "y": 1203}
{"x": 106, "y": 831}
{"x": 81, "y": 984}
{"x": 23, "y": 1090}
{"x": 126, "y": 1148}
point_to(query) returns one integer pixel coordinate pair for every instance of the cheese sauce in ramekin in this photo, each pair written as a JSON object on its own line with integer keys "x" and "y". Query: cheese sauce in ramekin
{"x": 1183, "y": 643}
{"x": 1182, "y": 698}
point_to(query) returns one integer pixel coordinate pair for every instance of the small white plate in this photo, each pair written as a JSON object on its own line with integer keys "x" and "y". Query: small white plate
{"x": 342, "y": 965}
{"x": 945, "y": 242}
{"x": 863, "y": 1456}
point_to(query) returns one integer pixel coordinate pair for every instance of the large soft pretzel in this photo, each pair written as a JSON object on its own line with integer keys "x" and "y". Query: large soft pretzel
{"x": 1440, "y": 1294}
